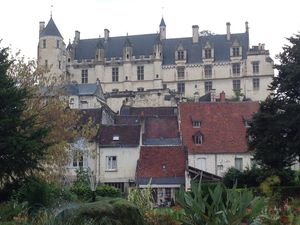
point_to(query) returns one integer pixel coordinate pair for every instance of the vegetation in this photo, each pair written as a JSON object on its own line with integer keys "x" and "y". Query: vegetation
{"x": 275, "y": 129}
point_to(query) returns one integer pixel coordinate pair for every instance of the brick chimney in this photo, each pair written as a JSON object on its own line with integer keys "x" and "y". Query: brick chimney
{"x": 222, "y": 96}
{"x": 195, "y": 33}
{"x": 228, "y": 31}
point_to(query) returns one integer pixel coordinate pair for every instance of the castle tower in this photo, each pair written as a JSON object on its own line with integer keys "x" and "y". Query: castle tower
{"x": 127, "y": 50}
{"x": 162, "y": 29}
{"x": 99, "y": 56}
{"x": 51, "y": 50}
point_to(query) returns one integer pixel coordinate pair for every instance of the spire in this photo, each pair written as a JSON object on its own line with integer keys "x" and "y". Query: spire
{"x": 162, "y": 23}
{"x": 157, "y": 39}
{"x": 100, "y": 44}
{"x": 127, "y": 42}
{"x": 51, "y": 29}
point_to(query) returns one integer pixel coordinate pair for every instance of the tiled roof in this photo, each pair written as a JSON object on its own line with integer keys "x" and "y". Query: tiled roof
{"x": 222, "y": 126}
{"x": 161, "y": 162}
{"x": 161, "y": 130}
{"x": 51, "y": 30}
{"x": 127, "y": 120}
{"x": 148, "y": 111}
{"x": 143, "y": 45}
{"x": 91, "y": 114}
{"x": 119, "y": 135}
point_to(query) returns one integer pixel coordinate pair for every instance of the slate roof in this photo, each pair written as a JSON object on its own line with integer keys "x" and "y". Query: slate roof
{"x": 51, "y": 30}
{"x": 129, "y": 135}
{"x": 148, "y": 111}
{"x": 143, "y": 45}
{"x": 162, "y": 22}
{"x": 161, "y": 130}
{"x": 164, "y": 164}
{"x": 127, "y": 120}
{"x": 222, "y": 126}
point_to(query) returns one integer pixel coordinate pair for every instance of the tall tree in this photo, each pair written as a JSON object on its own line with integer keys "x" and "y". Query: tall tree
{"x": 22, "y": 141}
{"x": 275, "y": 130}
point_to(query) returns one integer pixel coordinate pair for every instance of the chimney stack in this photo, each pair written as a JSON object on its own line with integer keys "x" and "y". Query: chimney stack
{"x": 222, "y": 96}
{"x": 42, "y": 26}
{"x": 247, "y": 27}
{"x": 77, "y": 37}
{"x": 228, "y": 31}
{"x": 106, "y": 34}
{"x": 195, "y": 33}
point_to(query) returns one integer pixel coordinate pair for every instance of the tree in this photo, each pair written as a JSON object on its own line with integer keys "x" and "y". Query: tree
{"x": 274, "y": 135}
{"x": 22, "y": 141}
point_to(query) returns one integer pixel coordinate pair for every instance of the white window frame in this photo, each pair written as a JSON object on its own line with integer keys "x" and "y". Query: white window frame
{"x": 207, "y": 53}
{"x": 236, "y": 69}
{"x": 84, "y": 76}
{"x": 236, "y": 51}
{"x": 111, "y": 163}
{"x": 196, "y": 123}
{"x": 238, "y": 163}
{"x": 198, "y": 139}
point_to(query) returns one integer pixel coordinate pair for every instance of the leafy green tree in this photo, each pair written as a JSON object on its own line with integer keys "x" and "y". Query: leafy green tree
{"x": 274, "y": 134}
{"x": 22, "y": 141}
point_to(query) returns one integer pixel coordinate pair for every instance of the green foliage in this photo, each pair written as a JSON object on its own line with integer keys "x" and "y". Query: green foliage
{"x": 165, "y": 216}
{"x": 142, "y": 198}
{"x": 266, "y": 186}
{"x": 107, "y": 191}
{"x": 81, "y": 186}
{"x": 275, "y": 129}
{"x": 10, "y": 210}
{"x": 219, "y": 205}
{"x": 23, "y": 143}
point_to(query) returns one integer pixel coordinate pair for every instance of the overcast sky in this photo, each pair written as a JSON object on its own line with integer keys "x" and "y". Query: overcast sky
{"x": 269, "y": 21}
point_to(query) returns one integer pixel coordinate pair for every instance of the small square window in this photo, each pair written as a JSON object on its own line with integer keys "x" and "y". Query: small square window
{"x": 116, "y": 137}
{"x": 196, "y": 123}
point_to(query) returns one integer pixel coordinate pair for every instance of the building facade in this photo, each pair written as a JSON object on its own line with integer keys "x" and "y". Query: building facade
{"x": 188, "y": 66}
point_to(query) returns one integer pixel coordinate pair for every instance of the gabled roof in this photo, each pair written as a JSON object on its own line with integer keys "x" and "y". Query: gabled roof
{"x": 161, "y": 130}
{"x": 164, "y": 164}
{"x": 222, "y": 126}
{"x": 148, "y": 111}
{"x": 127, "y": 135}
{"x": 51, "y": 30}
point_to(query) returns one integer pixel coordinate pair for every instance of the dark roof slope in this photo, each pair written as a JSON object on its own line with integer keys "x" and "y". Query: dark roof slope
{"x": 222, "y": 126}
{"x": 128, "y": 135}
{"x": 148, "y": 111}
{"x": 161, "y": 162}
{"x": 91, "y": 115}
{"x": 51, "y": 30}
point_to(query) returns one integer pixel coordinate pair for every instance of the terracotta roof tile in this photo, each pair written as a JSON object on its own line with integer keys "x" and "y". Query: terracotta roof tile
{"x": 161, "y": 127}
{"x": 222, "y": 126}
{"x": 161, "y": 162}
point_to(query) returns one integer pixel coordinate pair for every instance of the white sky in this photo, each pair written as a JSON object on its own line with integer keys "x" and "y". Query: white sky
{"x": 269, "y": 21}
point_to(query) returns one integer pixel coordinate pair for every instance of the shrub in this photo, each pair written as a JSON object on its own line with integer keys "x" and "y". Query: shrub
{"x": 142, "y": 198}
{"x": 107, "y": 191}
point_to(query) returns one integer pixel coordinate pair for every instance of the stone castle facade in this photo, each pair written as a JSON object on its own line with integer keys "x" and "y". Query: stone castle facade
{"x": 190, "y": 66}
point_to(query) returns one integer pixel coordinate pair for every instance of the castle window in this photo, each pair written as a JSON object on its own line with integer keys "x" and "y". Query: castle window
{"x": 46, "y": 63}
{"x": 207, "y": 86}
{"x": 207, "y": 71}
{"x": 180, "y": 72}
{"x": 255, "y": 82}
{"x": 140, "y": 72}
{"x": 207, "y": 53}
{"x": 236, "y": 85}
{"x": 44, "y": 43}
{"x": 59, "y": 64}
{"x": 115, "y": 74}
{"x": 57, "y": 43}
{"x": 69, "y": 60}
{"x": 255, "y": 67}
{"x": 235, "y": 51}
{"x": 181, "y": 88}
{"x": 236, "y": 69}
{"x": 180, "y": 55}
{"x": 140, "y": 89}
{"x": 84, "y": 76}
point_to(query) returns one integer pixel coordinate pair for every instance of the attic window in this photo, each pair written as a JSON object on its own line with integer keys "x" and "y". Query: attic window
{"x": 116, "y": 137}
{"x": 196, "y": 123}
{"x": 198, "y": 138}
{"x": 180, "y": 55}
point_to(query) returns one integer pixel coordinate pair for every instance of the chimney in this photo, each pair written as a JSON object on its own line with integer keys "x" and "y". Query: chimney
{"x": 77, "y": 37}
{"x": 195, "y": 33}
{"x": 228, "y": 31}
{"x": 247, "y": 27}
{"x": 222, "y": 96}
{"x": 106, "y": 34}
{"x": 42, "y": 26}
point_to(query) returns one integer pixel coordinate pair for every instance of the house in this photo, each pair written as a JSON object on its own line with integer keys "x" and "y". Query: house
{"x": 187, "y": 66}
{"x": 215, "y": 134}
{"x": 117, "y": 155}
{"x": 165, "y": 168}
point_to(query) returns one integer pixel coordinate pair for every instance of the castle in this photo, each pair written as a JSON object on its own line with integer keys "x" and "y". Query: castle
{"x": 190, "y": 66}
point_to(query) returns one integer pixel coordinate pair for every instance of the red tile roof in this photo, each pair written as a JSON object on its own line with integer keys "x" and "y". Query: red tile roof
{"x": 129, "y": 135}
{"x": 161, "y": 127}
{"x": 222, "y": 126}
{"x": 161, "y": 162}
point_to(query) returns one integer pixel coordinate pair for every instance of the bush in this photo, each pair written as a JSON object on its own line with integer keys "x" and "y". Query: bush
{"x": 107, "y": 191}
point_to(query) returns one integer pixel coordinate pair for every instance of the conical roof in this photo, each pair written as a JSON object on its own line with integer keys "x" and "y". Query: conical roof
{"x": 162, "y": 23}
{"x": 51, "y": 29}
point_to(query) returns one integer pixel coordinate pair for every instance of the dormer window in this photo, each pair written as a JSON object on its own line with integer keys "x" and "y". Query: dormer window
{"x": 116, "y": 137}
{"x": 235, "y": 51}
{"x": 196, "y": 123}
{"x": 180, "y": 55}
{"x": 198, "y": 139}
{"x": 207, "y": 53}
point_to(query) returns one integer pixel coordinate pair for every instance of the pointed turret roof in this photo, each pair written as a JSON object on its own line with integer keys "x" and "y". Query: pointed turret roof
{"x": 51, "y": 30}
{"x": 100, "y": 44}
{"x": 162, "y": 23}
{"x": 157, "y": 40}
